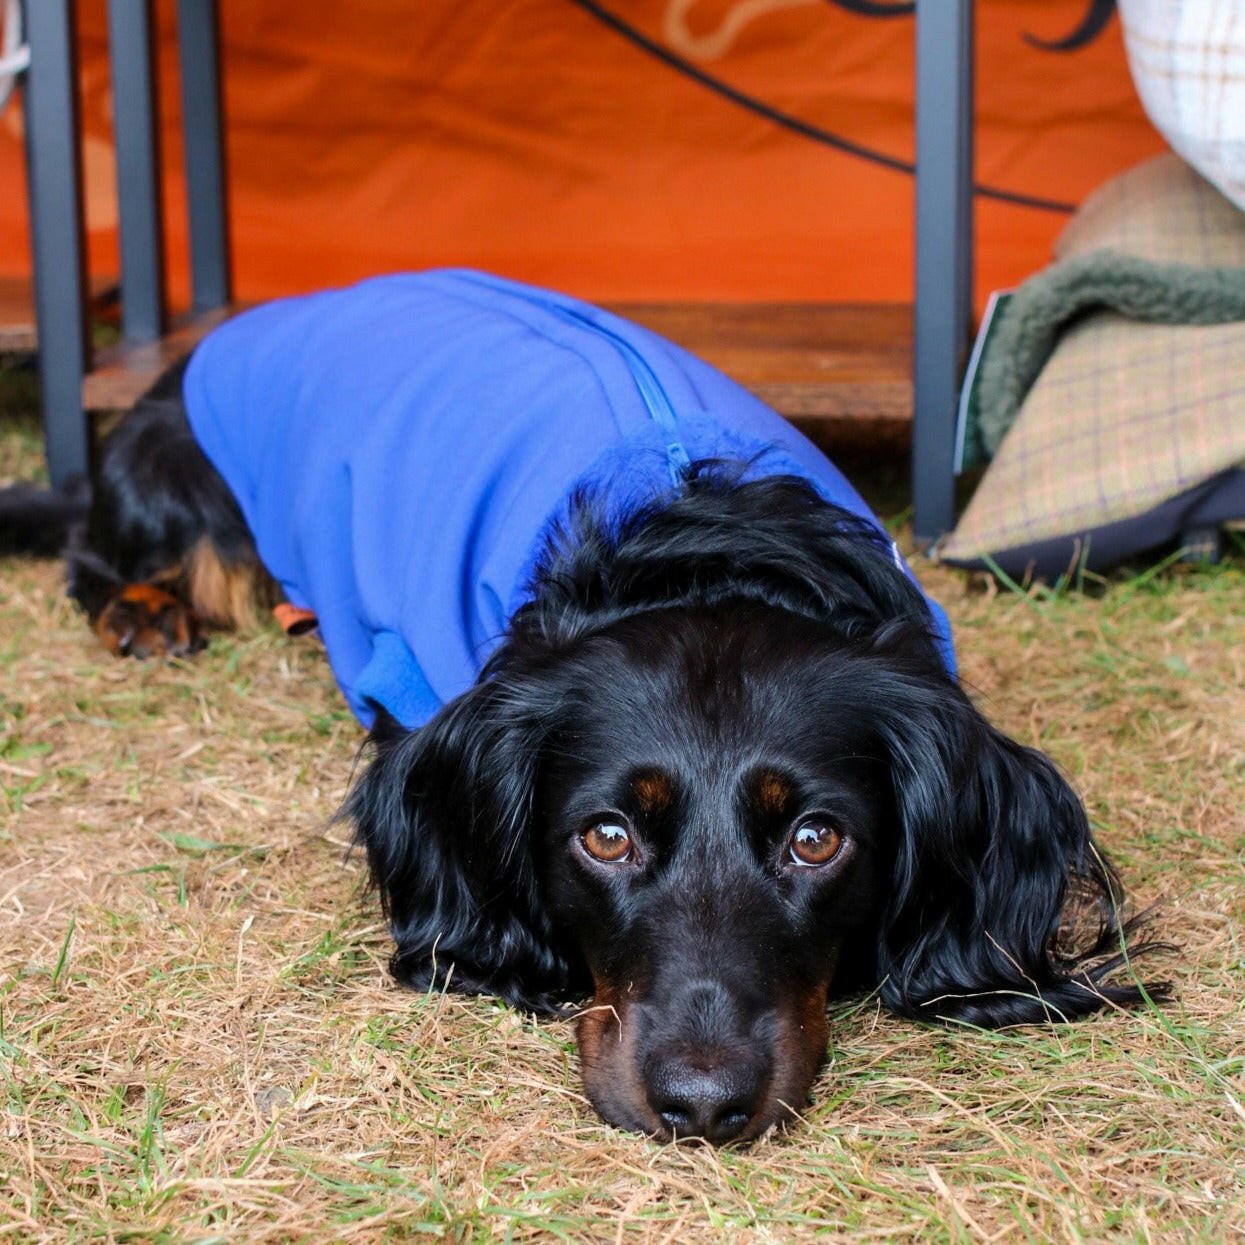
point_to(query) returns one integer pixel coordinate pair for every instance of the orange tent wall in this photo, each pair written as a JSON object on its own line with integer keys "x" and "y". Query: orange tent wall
{"x": 526, "y": 137}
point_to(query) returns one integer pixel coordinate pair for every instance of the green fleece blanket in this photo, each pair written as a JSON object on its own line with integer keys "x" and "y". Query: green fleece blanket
{"x": 1045, "y": 305}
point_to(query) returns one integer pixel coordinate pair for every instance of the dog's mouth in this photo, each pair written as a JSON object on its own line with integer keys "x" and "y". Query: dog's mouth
{"x": 698, "y": 1068}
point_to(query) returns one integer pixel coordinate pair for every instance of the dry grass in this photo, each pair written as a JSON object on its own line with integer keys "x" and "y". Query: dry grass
{"x": 198, "y": 1040}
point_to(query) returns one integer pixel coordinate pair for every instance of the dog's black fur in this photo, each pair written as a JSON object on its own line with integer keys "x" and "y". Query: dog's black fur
{"x": 703, "y": 683}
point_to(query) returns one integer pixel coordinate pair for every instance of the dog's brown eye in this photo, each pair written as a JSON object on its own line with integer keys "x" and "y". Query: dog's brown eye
{"x": 608, "y": 841}
{"x": 815, "y": 842}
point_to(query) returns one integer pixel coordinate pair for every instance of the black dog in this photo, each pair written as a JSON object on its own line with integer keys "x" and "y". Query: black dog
{"x": 716, "y": 769}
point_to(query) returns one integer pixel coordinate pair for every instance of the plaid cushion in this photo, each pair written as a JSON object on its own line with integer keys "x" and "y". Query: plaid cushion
{"x": 1125, "y": 416}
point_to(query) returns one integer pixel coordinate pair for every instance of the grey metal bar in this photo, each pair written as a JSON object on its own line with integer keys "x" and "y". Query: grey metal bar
{"x": 54, "y": 171}
{"x": 944, "y": 252}
{"x": 138, "y": 177}
{"x": 199, "y": 53}
{"x": 964, "y": 191}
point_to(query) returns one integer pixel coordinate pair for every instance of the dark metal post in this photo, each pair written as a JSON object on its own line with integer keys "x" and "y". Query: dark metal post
{"x": 944, "y": 252}
{"x": 138, "y": 179}
{"x": 198, "y": 46}
{"x": 54, "y": 171}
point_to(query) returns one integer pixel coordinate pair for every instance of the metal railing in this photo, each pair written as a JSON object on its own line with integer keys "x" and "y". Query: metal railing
{"x": 54, "y": 162}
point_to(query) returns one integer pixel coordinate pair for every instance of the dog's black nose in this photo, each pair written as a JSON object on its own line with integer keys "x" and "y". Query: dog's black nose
{"x": 704, "y": 1097}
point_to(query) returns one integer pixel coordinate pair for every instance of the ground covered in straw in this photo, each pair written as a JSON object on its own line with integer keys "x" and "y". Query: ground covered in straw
{"x": 198, "y": 1040}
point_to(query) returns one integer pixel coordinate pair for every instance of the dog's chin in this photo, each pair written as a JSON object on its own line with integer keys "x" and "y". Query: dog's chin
{"x": 612, "y": 1063}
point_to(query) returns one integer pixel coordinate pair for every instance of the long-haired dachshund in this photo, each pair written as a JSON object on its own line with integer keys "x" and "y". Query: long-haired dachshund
{"x": 658, "y": 716}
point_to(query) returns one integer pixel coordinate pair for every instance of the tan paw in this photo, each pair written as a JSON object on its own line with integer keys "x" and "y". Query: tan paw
{"x": 145, "y": 621}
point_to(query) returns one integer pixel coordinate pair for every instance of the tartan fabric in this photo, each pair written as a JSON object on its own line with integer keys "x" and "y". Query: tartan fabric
{"x": 1124, "y": 415}
{"x": 1187, "y": 59}
{"x": 1161, "y": 211}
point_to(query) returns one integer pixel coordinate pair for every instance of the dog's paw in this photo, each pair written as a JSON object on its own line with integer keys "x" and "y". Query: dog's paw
{"x": 145, "y": 621}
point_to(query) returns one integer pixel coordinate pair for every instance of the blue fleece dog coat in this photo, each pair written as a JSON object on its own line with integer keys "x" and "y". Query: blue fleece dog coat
{"x": 400, "y": 448}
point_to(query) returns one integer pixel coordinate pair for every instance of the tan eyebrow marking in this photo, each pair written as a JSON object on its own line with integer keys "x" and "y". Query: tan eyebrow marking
{"x": 654, "y": 792}
{"x": 773, "y": 792}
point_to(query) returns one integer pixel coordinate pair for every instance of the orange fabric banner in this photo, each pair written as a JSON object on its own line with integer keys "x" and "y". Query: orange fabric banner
{"x": 609, "y": 158}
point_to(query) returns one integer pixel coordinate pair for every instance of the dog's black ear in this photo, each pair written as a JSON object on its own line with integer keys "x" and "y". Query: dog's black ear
{"x": 444, "y": 813}
{"x": 1003, "y": 909}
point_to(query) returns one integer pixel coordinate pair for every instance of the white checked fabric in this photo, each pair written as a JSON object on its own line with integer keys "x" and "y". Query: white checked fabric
{"x": 1188, "y": 62}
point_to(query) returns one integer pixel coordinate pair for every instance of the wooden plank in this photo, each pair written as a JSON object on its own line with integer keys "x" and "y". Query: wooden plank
{"x": 124, "y": 372}
{"x": 18, "y": 334}
{"x": 17, "y": 316}
{"x": 814, "y": 343}
{"x": 17, "y": 311}
{"x": 835, "y": 369}
{"x": 839, "y": 371}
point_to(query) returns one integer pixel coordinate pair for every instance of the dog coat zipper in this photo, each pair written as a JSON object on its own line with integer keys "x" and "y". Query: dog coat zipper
{"x": 656, "y": 400}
